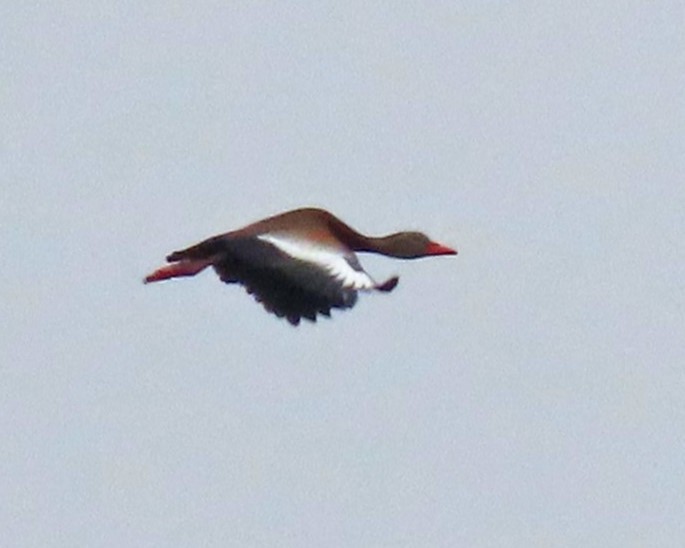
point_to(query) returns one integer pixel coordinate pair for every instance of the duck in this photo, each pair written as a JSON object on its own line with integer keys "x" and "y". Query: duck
{"x": 298, "y": 264}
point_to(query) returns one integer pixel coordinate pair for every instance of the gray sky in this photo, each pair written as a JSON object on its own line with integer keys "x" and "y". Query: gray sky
{"x": 529, "y": 392}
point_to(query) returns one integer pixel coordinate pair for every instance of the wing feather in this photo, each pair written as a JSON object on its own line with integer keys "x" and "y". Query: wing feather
{"x": 286, "y": 286}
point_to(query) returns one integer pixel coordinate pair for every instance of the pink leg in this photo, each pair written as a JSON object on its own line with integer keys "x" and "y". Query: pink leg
{"x": 177, "y": 270}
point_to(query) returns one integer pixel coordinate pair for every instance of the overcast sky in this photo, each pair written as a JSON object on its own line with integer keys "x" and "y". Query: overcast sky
{"x": 528, "y": 392}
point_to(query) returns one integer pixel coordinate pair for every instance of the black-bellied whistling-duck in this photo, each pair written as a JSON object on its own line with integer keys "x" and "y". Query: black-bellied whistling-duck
{"x": 298, "y": 264}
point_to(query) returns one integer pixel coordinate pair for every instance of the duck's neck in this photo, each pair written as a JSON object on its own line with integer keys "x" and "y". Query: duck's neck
{"x": 385, "y": 245}
{"x": 390, "y": 245}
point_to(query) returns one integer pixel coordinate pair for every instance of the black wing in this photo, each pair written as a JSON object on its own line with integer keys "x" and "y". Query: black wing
{"x": 287, "y": 287}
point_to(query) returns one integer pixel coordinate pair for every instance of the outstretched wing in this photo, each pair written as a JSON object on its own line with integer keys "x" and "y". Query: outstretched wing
{"x": 294, "y": 280}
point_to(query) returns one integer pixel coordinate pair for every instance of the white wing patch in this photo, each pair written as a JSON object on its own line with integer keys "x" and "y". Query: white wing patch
{"x": 322, "y": 257}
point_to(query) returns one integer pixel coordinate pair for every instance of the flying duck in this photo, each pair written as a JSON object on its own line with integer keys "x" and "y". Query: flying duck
{"x": 297, "y": 264}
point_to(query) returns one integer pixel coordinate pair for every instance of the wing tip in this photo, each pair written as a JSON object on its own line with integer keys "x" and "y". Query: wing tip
{"x": 388, "y": 285}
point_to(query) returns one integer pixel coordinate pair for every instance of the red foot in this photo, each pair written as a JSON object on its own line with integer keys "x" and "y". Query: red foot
{"x": 177, "y": 270}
